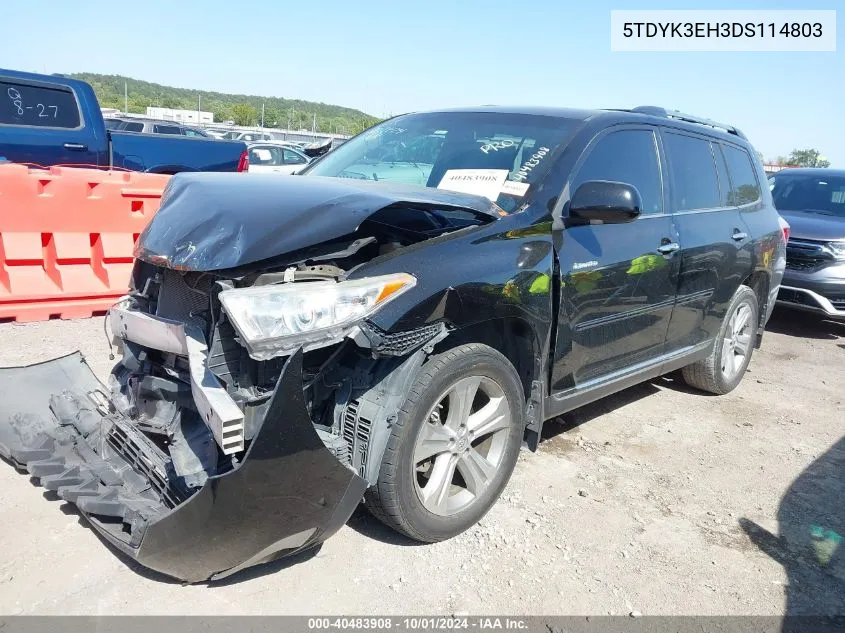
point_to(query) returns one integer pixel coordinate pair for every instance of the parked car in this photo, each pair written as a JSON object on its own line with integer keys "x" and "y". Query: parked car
{"x": 275, "y": 158}
{"x": 51, "y": 120}
{"x": 249, "y": 137}
{"x": 813, "y": 203}
{"x": 291, "y": 345}
{"x": 152, "y": 126}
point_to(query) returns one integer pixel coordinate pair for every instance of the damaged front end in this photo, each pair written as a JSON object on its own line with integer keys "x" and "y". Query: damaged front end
{"x": 234, "y": 430}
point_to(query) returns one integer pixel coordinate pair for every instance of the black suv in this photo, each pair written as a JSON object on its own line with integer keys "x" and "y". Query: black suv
{"x": 813, "y": 202}
{"x": 394, "y": 324}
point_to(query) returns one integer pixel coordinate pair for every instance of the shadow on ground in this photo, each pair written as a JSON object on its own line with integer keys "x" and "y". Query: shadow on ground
{"x": 805, "y": 325}
{"x": 811, "y": 543}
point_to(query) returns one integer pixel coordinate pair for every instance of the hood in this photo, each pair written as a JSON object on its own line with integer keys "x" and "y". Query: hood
{"x": 216, "y": 221}
{"x": 814, "y": 226}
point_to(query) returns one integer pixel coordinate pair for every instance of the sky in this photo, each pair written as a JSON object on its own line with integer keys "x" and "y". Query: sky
{"x": 389, "y": 57}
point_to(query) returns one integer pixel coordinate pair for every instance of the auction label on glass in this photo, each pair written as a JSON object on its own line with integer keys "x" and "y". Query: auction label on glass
{"x": 723, "y": 30}
{"x": 481, "y": 182}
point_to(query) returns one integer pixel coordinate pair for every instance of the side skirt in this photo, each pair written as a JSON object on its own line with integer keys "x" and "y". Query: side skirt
{"x": 563, "y": 401}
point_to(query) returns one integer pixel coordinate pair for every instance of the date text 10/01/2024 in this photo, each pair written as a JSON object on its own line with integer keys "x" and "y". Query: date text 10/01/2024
{"x": 418, "y": 623}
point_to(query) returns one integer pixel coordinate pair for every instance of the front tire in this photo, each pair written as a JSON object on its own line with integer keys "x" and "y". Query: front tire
{"x": 453, "y": 447}
{"x": 723, "y": 369}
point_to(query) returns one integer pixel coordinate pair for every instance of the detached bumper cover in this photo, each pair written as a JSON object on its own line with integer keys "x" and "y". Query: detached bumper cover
{"x": 289, "y": 493}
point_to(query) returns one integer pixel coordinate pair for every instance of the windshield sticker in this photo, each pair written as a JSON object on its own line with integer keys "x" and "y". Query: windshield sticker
{"x": 495, "y": 146}
{"x": 531, "y": 163}
{"x": 513, "y": 188}
{"x": 481, "y": 182}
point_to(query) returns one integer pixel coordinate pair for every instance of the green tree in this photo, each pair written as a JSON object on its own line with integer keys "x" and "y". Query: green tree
{"x": 273, "y": 117}
{"x": 808, "y": 158}
{"x": 244, "y": 114}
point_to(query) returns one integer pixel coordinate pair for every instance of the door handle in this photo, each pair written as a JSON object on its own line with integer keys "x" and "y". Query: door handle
{"x": 667, "y": 249}
{"x": 738, "y": 235}
{"x": 76, "y": 147}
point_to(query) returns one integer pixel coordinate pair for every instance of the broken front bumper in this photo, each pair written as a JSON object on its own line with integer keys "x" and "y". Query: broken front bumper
{"x": 287, "y": 494}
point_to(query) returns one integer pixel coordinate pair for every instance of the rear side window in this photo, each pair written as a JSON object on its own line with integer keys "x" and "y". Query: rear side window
{"x": 166, "y": 129}
{"x": 693, "y": 169}
{"x": 41, "y": 106}
{"x": 628, "y": 156}
{"x": 744, "y": 189}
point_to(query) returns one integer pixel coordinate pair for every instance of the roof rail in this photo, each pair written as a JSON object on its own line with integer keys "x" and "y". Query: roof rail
{"x": 689, "y": 118}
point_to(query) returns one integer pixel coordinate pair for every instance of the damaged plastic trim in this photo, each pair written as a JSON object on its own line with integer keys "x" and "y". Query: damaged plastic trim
{"x": 215, "y": 406}
{"x": 288, "y": 492}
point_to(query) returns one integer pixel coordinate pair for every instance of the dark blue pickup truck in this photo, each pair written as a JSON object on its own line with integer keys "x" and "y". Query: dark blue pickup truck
{"x": 50, "y": 120}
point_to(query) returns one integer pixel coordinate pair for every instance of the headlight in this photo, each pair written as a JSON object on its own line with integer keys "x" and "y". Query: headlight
{"x": 275, "y": 320}
{"x": 837, "y": 248}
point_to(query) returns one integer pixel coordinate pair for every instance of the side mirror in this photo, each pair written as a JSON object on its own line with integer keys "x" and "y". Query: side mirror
{"x": 605, "y": 202}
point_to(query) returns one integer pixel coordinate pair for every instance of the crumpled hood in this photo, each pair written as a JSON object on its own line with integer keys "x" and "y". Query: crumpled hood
{"x": 814, "y": 226}
{"x": 216, "y": 221}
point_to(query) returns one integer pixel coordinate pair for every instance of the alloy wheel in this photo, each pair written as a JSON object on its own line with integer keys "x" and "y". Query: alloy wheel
{"x": 737, "y": 342}
{"x": 461, "y": 445}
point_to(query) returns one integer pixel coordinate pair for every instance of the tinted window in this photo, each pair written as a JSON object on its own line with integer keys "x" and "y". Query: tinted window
{"x": 166, "y": 129}
{"x": 628, "y": 156}
{"x": 132, "y": 126}
{"x": 745, "y": 188}
{"x": 292, "y": 158}
{"x": 815, "y": 193}
{"x": 693, "y": 172}
{"x": 22, "y": 104}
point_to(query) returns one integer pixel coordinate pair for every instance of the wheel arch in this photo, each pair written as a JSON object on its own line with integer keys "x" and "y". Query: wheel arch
{"x": 759, "y": 281}
{"x": 518, "y": 341}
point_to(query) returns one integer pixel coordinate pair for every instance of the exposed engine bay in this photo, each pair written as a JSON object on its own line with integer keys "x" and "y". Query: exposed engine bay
{"x": 152, "y": 386}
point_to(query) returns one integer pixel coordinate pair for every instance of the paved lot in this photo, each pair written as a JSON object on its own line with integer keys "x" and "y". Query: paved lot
{"x": 658, "y": 500}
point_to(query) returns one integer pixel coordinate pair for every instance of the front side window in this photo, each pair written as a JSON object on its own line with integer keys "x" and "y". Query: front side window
{"x": 744, "y": 189}
{"x": 293, "y": 158}
{"x": 628, "y": 156}
{"x": 132, "y": 126}
{"x": 821, "y": 193}
{"x": 693, "y": 170}
{"x": 493, "y": 154}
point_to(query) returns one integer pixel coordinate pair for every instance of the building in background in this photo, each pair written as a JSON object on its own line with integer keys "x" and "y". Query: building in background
{"x": 182, "y": 116}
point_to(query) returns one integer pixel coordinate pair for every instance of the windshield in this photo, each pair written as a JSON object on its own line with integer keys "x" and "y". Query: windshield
{"x": 492, "y": 154}
{"x": 816, "y": 193}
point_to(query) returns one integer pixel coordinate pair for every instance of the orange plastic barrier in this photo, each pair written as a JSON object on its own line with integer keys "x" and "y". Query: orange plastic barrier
{"x": 67, "y": 236}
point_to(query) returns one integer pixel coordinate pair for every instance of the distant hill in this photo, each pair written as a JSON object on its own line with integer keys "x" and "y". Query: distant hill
{"x": 242, "y": 109}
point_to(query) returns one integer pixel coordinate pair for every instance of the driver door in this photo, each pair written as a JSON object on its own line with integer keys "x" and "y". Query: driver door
{"x": 618, "y": 281}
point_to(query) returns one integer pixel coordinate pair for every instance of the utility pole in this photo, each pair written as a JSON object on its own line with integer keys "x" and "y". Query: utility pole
{"x": 125, "y": 98}
{"x": 262, "y": 115}
{"x": 314, "y": 125}
{"x": 199, "y": 106}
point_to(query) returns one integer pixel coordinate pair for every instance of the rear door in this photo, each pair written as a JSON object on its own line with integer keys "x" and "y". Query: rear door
{"x": 618, "y": 286}
{"x": 43, "y": 123}
{"x": 715, "y": 254}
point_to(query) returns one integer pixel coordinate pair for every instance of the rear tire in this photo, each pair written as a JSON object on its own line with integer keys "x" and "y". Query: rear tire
{"x": 724, "y": 368}
{"x": 465, "y": 409}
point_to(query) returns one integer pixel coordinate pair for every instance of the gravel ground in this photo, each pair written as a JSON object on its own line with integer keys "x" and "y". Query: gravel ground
{"x": 641, "y": 502}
